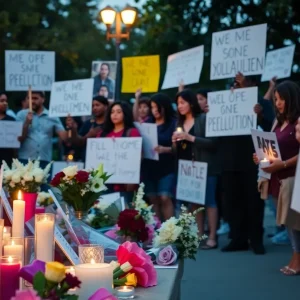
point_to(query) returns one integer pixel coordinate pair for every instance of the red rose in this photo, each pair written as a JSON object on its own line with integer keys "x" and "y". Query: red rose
{"x": 82, "y": 176}
{"x": 56, "y": 180}
{"x": 72, "y": 281}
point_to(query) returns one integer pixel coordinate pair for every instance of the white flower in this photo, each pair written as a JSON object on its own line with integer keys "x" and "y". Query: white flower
{"x": 28, "y": 176}
{"x": 8, "y": 174}
{"x": 12, "y": 184}
{"x": 70, "y": 171}
{"x": 16, "y": 177}
{"x": 38, "y": 175}
{"x": 98, "y": 185}
{"x": 43, "y": 196}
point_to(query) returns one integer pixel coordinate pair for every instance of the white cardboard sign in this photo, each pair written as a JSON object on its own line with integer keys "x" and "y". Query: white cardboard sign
{"x": 57, "y": 166}
{"x": 149, "y": 133}
{"x": 9, "y": 133}
{"x": 296, "y": 193}
{"x": 238, "y": 50}
{"x": 191, "y": 181}
{"x": 279, "y": 63}
{"x": 72, "y": 97}
{"x": 185, "y": 66}
{"x": 121, "y": 157}
{"x": 231, "y": 112}
{"x": 24, "y": 68}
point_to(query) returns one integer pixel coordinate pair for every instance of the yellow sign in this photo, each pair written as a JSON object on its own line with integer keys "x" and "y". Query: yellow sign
{"x": 140, "y": 72}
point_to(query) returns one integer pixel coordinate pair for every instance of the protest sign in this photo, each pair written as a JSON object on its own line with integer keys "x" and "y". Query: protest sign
{"x": 296, "y": 193}
{"x": 279, "y": 63}
{"x": 191, "y": 181}
{"x": 238, "y": 50}
{"x": 140, "y": 72}
{"x": 121, "y": 157}
{"x": 71, "y": 97}
{"x": 9, "y": 133}
{"x": 184, "y": 66}
{"x": 24, "y": 68}
{"x": 150, "y": 141}
{"x": 57, "y": 166}
{"x": 231, "y": 112}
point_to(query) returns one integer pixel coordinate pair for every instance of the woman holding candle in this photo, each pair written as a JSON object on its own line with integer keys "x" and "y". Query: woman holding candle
{"x": 159, "y": 176}
{"x": 191, "y": 144}
{"x": 287, "y": 106}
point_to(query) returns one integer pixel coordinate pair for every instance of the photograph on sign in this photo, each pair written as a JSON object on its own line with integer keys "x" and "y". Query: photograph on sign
{"x": 191, "y": 181}
{"x": 140, "y": 72}
{"x": 104, "y": 74}
{"x": 148, "y": 132}
{"x": 9, "y": 133}
{"x": 238, "y": 50}
{"x": 120, "y": 157}
{"x": 71, "y": 98}
{"x": 231, "y": 112}
{"x": 279, "y": 63}
{"x": 185, "y": 67}
{"x": 24, "y": 68}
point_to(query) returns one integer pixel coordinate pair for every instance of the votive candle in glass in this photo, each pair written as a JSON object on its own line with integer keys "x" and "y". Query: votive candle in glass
{"x": 89, "y": 252}
{"x": 14, "y": 247}
{"x": 44, "y": 237}
{"x": 124, "y": 292}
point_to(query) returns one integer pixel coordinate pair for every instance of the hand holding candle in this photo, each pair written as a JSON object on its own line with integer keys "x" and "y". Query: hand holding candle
{"x": 264, "y": 163}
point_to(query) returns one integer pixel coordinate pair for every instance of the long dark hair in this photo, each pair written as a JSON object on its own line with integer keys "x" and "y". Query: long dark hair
{"x": 164, "y": 106}
{"x": 289, "y": 91}
{"x": 128, "y": 118}
{"x": 190, "y": 97}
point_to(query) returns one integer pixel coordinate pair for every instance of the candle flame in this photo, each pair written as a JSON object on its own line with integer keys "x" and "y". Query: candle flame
{"x": 179, "y": 129}
{"x": 264, "y": 159}
{"x": 93, "y": 261}
{"x": 70, "y": 157}
{"x": 19, "y": 195}
{"x": 12, "y": 242}
{"x": 10, "y": 259}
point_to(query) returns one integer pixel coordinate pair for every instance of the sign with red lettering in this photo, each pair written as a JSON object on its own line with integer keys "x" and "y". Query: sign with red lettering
{"x": 191, "y": 181}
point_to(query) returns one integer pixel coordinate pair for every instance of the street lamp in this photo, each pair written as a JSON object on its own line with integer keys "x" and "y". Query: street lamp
{"x": 109, "y": 16}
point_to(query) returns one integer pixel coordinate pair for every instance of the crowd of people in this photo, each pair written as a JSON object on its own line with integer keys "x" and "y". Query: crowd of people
{"x": 232, "y": 193}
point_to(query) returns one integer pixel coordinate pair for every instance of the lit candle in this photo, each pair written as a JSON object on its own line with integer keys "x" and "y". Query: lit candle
{"x": 1, "y": 234}
{"x": 9, "y": 274}
{"x": 6, "y": 233}
{"x": 124, "y": 292}
{"x": 18, "y": 217}
{"x": 179, "y": 129}
{"x": 264, "y": 163}
{"x": 14, "y": 247}
{"x": 93, "y": 276}
{"x": 44, "y": 237}
{"x": 30, "y": 98}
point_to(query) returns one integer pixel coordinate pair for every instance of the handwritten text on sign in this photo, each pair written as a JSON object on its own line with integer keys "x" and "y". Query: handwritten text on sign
{"x": 191, "y": 181}
{"x": 140, "y": 72}
{"x": 121, "y": 157}
{"x": 279, "y": 63}
{"x": 24, "y": 68}
{"x": 184, "y": 66}
{"x": 231, "y": 112}
{"x": 238, "y": 50}
{"x": 71, "y": 97}
{"x": 149, "y": 133}
{"x": 9, "y": 133}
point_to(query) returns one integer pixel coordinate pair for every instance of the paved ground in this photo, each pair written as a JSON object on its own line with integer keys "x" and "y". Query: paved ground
{"x": 240, "y": 276}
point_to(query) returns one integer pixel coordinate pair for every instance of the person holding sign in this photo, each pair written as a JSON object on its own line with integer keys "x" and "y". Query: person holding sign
{"x": 298, "y": 131}
{"x": 159, "y": 176}
{"x": 38, "y": 128}
{"x": 287, "y": 103}
{"x": 141, "y": 107}
{"x": 190, "y": 143}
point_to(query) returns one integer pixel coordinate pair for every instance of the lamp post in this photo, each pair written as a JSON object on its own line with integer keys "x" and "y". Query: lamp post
{"x": 109, "y": 16}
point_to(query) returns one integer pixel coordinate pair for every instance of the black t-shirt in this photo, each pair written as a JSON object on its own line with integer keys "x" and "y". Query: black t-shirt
{"x": 185, "y": 148}
{"x": 7, "y": 154}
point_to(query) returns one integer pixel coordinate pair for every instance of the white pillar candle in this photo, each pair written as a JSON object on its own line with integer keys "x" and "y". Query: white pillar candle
{"x": 93, "y": 276}
{"x": 44, "y": 237}
{"x": 14, "y": 247}
{"x": 18, "y": 218}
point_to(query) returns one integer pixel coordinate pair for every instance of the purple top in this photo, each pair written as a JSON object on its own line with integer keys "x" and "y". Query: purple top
{"x": 289, "y": 147}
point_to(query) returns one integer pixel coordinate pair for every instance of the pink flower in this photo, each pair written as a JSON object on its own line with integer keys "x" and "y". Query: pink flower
{"x": 157, "y": 222}
{"x": 141, "y": 262}
{"x": 26, "y": 295}
{"x": 102, "y": 294}
{"x": 166, "y": 256}
{"x": 151, "y": 233}
{"x": 113, "y": 233}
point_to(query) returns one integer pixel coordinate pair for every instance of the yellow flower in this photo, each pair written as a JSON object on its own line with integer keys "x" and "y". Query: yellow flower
{"x": 131, "y": 279}
{"x": 100, "y": 171}
{"x": 55, "y": 271}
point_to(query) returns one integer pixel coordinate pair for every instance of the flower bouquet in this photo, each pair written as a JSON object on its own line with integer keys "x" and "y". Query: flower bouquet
{"x": 80, "y": 189}
{"x": 44, "y": 199}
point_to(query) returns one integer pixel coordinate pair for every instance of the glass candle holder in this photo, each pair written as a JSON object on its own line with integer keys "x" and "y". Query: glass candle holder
{"x": 44, "y": 237}
{"x": 6, "y": 233}
{"x": 9, "y": 274}
{"x": 1, "y": 234}
{"x": 14, "y": 247}
{"x": 91, "y": 252}
{"x": 29, "y": 254}
{"x": 124, "y": 292}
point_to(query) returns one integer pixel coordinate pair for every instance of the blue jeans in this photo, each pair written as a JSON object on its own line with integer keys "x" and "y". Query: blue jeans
{"x": 295, "y": 239}
{"x": 163, "y": 186}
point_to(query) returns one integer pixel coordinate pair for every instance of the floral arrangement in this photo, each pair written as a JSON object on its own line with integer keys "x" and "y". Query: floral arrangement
{"x": 80, "y": 189}
{"x": 134, "y": 266}
{"x": 50, "y": 280}
{"x": 181, "y": 232}
{"x": 44, "y": 199}
{"x": 27, "y": 178}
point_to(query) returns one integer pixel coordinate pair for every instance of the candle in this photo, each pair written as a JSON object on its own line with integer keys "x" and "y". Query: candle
{"x": 14, "y": 247}
{"x": 6, "y": 233}
{"x": 124, "y": 292}
{"x": 264, "y": 163}
{"x": 44, "y": 237}
{"x": 30, "y": 98}
{"x": 179, "y": 129}
{"x": 93, "y": 276}
{"x": 40, "y": 210}
{"x": 89, "y": 252}
{"x": 1, "y": 234}
{"x": 9, "y": 274}
{"x": 18, "y": 217}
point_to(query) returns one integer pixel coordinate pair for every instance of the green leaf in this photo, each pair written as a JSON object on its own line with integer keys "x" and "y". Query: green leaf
{"x": 70, "y": 297}
{"x": 39, "y": 283}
